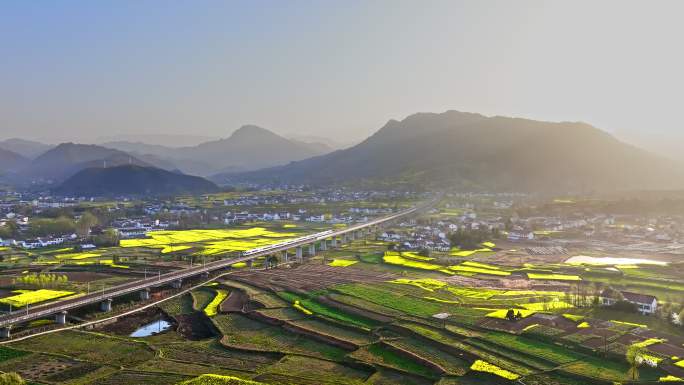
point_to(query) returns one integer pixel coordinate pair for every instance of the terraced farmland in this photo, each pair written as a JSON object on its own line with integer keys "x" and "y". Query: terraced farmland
{"x": 393, "y": 318}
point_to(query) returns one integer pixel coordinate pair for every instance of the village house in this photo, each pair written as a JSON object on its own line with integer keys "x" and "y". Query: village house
{"x": 41, "y": 242}
{"x": 646, "y": 304}
{"x": 515, "y": 236}
{"x": 8, "y": 242}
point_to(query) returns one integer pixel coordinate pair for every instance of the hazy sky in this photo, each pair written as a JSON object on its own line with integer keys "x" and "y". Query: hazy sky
{"x": 79, "y": 70}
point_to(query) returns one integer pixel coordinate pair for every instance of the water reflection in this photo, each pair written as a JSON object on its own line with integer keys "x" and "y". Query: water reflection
{"x": 152, "y": 328}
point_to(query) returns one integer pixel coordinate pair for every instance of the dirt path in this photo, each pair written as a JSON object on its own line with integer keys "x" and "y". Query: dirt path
{"x": 235, "y": 302}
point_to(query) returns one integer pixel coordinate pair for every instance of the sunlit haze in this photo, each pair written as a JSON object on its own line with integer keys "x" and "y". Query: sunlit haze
{"x": 83, "y": 71}
{"x": 346, "y": 192}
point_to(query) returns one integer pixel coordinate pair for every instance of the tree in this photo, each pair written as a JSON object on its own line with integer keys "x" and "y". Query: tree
{"x": 634, "y": 357}
{"x": 9, "y": 230}
{"x": 510, "y": 315}
{"x": 85, "y": 223}
{"x": 108, "y": 238}
{"x": 41, "y": 280}
{"x": 46, "y": 226}
{"x": 11, "y": 379}
{"x": 680, "y": 317}
{"x": 470, "y": 239}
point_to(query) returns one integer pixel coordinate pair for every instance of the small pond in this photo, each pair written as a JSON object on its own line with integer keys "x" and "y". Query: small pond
{"x": 153, "y": 328}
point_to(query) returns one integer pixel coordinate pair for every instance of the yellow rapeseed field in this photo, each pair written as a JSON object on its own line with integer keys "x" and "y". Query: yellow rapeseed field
{"x": 29, "y": 297}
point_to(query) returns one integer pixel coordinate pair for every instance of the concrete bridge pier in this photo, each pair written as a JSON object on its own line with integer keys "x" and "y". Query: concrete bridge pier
{"x": 5, "y": 332}
{"x": 312, "y": 250}
{"x": 145, "y": 294}
{"x": 333, "y": 242}
{"x": 106, "y": 305}
{"x": 177, "y": 284}
{"x": 350, "y": 236}
{"x": 60, "y": 318}
{"x": 250, "y": 263}
{"x": 271, "y": 261}
{"x": 285, "y": 257}
{"x": 299, "y": 253}
{"x": 324, "y": 245}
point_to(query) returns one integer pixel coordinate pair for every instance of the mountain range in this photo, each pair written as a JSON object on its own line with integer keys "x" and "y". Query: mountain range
{"x": 67, "y": 159}
{"x": 452, "y": 149}
{"x": 475, "y": 152}
{"x": 248, "y": 148}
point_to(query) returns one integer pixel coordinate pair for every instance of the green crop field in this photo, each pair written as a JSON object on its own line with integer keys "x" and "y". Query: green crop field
{"x": 330, "y": 312}
{"x": 90, "y": 347}
{"x": 381, "y": 355}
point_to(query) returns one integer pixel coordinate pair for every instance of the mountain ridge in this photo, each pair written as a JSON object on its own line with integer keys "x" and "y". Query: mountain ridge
{"x": 132, "y": 180}
{"x": 473, "y": 151}
{"x": 66, "y": 159}
{"x": 250, "y": 147}
{"x": 11, "y": 162}
{"x": 27, "y": 148}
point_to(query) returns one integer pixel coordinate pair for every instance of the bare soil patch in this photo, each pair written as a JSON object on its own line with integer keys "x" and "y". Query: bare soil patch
{"x": 235, "y": 302}
{"x": 195, "y": 326}
{"x": 85, "y": 276}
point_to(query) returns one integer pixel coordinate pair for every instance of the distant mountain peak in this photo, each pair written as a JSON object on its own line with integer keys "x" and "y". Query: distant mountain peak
{"x": 250, "y": 130}
{"x": 27, "y": 148}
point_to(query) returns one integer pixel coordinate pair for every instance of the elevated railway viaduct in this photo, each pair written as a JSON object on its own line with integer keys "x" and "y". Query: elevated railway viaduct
{"x": 308, "y": 244}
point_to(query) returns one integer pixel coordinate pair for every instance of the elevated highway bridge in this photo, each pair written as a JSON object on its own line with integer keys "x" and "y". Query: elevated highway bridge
{"x": 308, "y": 243}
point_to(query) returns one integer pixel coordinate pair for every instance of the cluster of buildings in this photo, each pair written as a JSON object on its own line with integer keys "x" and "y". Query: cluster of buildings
{"x": 139, "y": 227}
{"x": 420, "y": 237}
{"x": 37, "y": 243}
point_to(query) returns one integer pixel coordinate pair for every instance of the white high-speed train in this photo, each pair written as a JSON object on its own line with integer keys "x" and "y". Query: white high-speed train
{"x": 289, "y": 242}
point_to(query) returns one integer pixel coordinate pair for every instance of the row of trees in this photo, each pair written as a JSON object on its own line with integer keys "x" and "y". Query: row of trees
{"x": 41, "y": 227}
{"x": 43, "y": 281}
